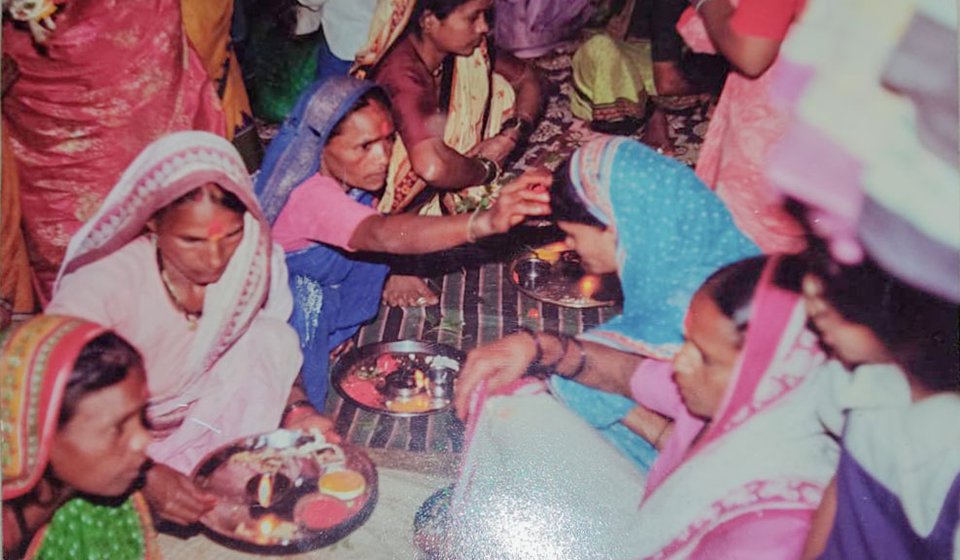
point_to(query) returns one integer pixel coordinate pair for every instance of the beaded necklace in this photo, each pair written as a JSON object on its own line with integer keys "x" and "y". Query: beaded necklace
{"x": 192, "y": 317}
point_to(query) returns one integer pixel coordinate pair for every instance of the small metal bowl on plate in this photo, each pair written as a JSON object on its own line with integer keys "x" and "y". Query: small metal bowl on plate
{"x": 406, "y": 378}
{"x": 563, "y": 282}
{"x": 532, "y": 272}
{"x": 294, "y": 461}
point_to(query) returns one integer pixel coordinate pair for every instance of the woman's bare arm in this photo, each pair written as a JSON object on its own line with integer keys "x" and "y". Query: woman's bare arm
{"x": 751, "y": 56}
{"x": 406, "y": 234}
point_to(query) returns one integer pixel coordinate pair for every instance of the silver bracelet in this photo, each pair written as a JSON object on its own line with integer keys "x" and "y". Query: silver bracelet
{"x": 699, "y": 4}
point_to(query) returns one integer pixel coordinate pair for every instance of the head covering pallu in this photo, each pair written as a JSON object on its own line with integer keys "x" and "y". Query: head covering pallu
{"x": 333, "y": 293}
{"x": 672, "y": 233}
{"x": 166, "y": 170}
{"x": 36, "y": 361}
{"x": 886, "y": 150}
{"x": 475, "y": 88}
{"x": 294, "y": 155}
{"x": 765, "y": 449}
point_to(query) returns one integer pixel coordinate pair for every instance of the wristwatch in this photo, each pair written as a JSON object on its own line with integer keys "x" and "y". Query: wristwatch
{"x": 522, "y": 126}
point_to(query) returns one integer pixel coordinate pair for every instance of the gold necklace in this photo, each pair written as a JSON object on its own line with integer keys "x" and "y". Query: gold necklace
{"x": 192, "y": 317}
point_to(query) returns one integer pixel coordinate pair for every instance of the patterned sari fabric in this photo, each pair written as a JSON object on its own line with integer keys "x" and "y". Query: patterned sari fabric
{"x": 755, "y": 476}
{"x": 744, "y": 125}
{"x": 111, "y": 78}
{"x": 36, "y": 362}
{"x": 663, "y": 256}
{"x": 480, "y": 101}
{"x": 672, "y": 233}
{"x": 334, "y": 293}
{"x": 225, "y": 377}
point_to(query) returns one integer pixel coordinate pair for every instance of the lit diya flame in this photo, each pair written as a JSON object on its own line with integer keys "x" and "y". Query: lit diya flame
{"x": 589, "y": 285}
{"x": 267, "y": 525}
{"x": 551, "y": 253}
{"x": 265, "y": 490}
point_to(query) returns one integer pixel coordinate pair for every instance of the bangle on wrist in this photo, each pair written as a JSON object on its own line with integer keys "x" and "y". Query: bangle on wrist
{"x": 564, "y": 344}
{"x": 287, "y": 410}
{"x": 697, "y": 4}
{"x": 471, "y": 238}
{"x": 582, "y": 364}
{"x": 491, "y": 168}
{"x": 522, "y": 125}
{"x": 534, "y": 365}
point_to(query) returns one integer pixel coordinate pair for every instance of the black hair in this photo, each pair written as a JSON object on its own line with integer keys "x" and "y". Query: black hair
{"x": 732, "y": 288}
{"x": 440, "y": 8}
{"x": 919, "y": 329}
{"x": 217, "y": 195}
{"x": 104, "y": 361}
{"x": 566, "y": 205}
{"x": 374, "y": 94}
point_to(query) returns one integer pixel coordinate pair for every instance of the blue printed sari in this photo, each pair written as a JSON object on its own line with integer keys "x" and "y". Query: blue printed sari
{"x": 334, "y": 292}
{"x": 672, "y": 233}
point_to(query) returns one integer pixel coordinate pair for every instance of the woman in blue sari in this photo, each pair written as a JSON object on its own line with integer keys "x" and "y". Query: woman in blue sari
{"x": 317, "y": 188}
{"x": 667, "y": 233}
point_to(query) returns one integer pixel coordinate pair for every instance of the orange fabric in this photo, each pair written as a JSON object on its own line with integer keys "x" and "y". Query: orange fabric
{"x": 207, "y": 25}
{"x": 16, "y": 284}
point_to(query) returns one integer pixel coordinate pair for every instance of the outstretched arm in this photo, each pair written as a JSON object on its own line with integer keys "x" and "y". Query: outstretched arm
{"x": 411, "y": 234}
{"x": 506, "y": 360}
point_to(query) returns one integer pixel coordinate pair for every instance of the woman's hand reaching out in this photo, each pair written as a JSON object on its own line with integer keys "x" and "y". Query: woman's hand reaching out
{"x": 527, "y": 195}
{"x": 174, "y": 497}
{"x": 499, "y": 364}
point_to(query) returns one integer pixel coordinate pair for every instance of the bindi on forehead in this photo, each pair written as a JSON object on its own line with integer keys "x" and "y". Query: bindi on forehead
{"x": 216, "y": 228}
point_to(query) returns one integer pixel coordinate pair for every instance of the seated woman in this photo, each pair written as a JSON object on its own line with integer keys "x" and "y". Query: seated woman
{"x": 74, "y": 442}
{"x": 460, "y": 109}
{"x": 624, "y": 195}
{"x": 317, "y": 187}
{"x": 902, "y": 413}
{"x": 179, "y": 261}
{"x": 640, "y": 57}
{"x": 739, "y": 474}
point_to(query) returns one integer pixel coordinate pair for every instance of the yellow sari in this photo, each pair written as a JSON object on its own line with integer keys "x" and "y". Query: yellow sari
{"x": 207, "y": 25}
{"x": 471, "y": 92}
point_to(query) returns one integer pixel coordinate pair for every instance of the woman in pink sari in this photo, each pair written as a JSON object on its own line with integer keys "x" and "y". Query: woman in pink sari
{"x": 739, "y": 473}
{"x": 109, "y": 79}
{"x": 179, "y": 261}
{"x": 746, "y": 122}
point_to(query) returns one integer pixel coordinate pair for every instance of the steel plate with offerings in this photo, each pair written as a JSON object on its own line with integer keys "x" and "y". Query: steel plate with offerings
{"x": 286, "y": 491}
{"x": 404, "y": 378}
{"x": 554, "y": 274}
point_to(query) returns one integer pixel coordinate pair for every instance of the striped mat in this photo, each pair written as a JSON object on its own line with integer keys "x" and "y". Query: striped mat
{"x": 478, "y": 304}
